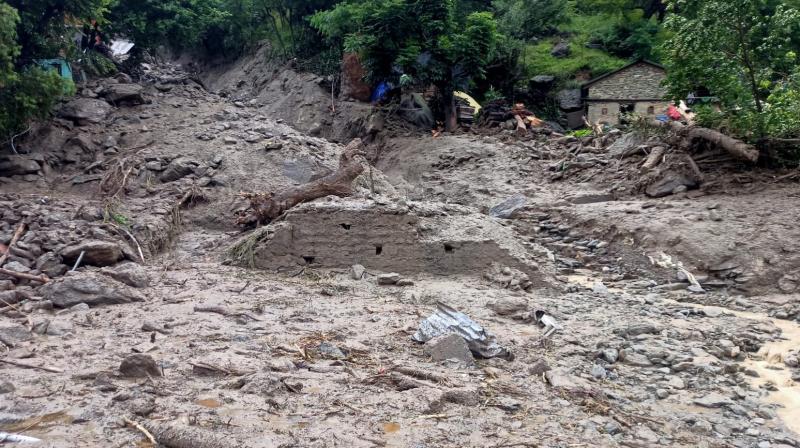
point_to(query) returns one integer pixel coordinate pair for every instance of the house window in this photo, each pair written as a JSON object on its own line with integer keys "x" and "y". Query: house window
{"x": 604, "y": 111}
{"x": 651, "y": 110}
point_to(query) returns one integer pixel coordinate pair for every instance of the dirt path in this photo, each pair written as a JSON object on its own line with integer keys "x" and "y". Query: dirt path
{"x": 312, "y": 356}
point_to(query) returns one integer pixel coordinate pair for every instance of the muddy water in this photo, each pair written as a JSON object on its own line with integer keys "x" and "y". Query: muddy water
{"x": 768, "y": 362}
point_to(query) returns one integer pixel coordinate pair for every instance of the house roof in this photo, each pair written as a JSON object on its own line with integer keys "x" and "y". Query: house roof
{"x": 602, "y": 77}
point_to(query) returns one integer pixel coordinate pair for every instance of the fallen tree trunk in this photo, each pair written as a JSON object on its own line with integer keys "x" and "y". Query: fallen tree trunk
{"x": 14, "y": 239}
{"x": 653, "y": 159}
{"x": 265, "y": 207}
{"x": 690, "y": 134}
{"x": 522, "y": 130}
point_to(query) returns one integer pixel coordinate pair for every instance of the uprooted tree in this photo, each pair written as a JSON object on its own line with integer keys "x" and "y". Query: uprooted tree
{"x": 744, "y": 53}
{"x": 265, "y": 207}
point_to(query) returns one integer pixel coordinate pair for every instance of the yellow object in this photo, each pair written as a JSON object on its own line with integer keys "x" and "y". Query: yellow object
{"x": 470, "y": 100}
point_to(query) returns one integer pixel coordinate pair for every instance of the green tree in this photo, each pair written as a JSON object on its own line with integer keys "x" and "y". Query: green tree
{"x": 177, "y": 24}
{"x": 26, "y": 92}
{"x": 420, "y": 38}
{"x": 528, "y": 19}
{"x": 740, "y": 50}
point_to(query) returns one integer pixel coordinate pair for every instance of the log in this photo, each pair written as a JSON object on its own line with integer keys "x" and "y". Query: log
{"x": 736, "y": 148}
{"x": 17, "y": 235}
{"x": 522, "y": 130}
{"x": 265, "y": 207}
{"x": 22, "y": 276}
{"x": 653, "y": 159}
{"x": 690, "y": 134}
{"x": 175, "y": 436}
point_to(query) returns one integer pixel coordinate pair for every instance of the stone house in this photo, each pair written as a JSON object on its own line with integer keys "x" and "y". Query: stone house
{"x": 636, "y": 88}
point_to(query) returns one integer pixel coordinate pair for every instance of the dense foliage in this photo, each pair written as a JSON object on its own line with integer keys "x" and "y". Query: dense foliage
{"x": 26, "y": 91}
{"x": 746, "y": 53}
{"x": 742, "y": 52}
{"x": 421, "y": 39}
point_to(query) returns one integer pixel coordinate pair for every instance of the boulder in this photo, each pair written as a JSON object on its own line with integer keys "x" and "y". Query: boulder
{"x": 178, "y": 168}
{"x": 85, "y": 110}
{"x": 51, "y": 265}
{"x": 11, "y": 165}
{"x": 128, "y": 93}
{"x": 13, "y": 334}
{"x": 388, "y": 279}
{"x": 96, "y": 253}
{"x": 353, "y": 85}
{"x": 447, "y": 347}
{"x": 669, "y": 183}
{"x": 90, "y": 288}
{"x": 139, "y": 366}
{"x": 130, "y": 273}
{"x": 561, "y": 50}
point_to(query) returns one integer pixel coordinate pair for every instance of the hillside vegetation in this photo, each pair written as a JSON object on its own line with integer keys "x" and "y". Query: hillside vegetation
{"x": 745, "y": 53}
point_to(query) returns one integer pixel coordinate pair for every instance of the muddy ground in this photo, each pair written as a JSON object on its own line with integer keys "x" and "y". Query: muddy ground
{"x": 175, "y": 316}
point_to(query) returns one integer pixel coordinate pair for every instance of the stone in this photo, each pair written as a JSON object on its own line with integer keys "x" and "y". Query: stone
{"x": 154, "y": 165}
{"x": 600, "y": 288}
{"x": 669, "y": 181}
{"x": 662, "y": 393}
{"x": 357, "y": 271}
{"x": 712, "y": 400}
{"x": 230, "y": 140}
{"x": 130, "y": 273}
{"x": 6, "y": 387}
{"x": 561, "y": 50}
{"x": 16, "y": 266}
{"x": 508, "y": 305}
{"x": 676, "y": 383}
{"x": 611, "y": 355}
{"x": 635, "y": 359}
{"x": 127, "y": 93}
{"x": 263, "y": 384}
{"x": 85, "y": 110}
{"x": 178, "y": 168}
{"x": 560, "y": 378}
{"x": 13, "y": 334}
{"x": 329, "y": 351}
{"x": 636, "y": 330}
{"x": 538, "y": 367}
{"x": 388, "y": 279}
{"x": 507, "y": 208}
{"x": 405, "y": 282}
{"x": 273, "y": 145}
{"x": 598, "y": 372}
{"x": 465, "y": 396}
{"x": 449, "y": 346}
{"x": 95, "y": 253}
{"x": 13, "y": 165}
{"x": 139, "y": 366}
{"x": 51, "y": 265}
{"x": 90, "y": 288}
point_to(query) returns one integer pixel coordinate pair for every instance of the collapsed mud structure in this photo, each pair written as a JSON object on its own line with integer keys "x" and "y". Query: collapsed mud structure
{"x": 408, "y": 238}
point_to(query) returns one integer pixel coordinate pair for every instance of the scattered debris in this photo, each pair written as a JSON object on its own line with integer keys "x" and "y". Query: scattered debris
{"x": 447, "y": 320}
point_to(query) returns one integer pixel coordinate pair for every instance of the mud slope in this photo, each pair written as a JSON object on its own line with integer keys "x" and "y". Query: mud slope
{"x": 319, "y": 353}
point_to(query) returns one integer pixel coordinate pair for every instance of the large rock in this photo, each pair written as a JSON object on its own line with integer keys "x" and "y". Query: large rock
{"x": 353, "y": 75}
{"x": 448, "y": 347}
{"x": 130, "y": 273}
{"x": 85, "y": 110}
{"x": 13, "y": 334}
{"x": 668, "y": 184}
{"x": 128, "y": 93}
{"x": 11, "y": 165}
{"x": 177, "y": 169}
{"x": 561, "y": 50}
{"x": 51, "y": 265}
{"x": 90, "y": 288}
{"x": 139, "y": 366}
{"x": 96, "y": 253}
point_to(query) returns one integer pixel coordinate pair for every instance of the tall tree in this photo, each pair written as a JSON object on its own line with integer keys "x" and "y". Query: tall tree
{"x": 737, "y": 49}
{"x": 420, "y": 38}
